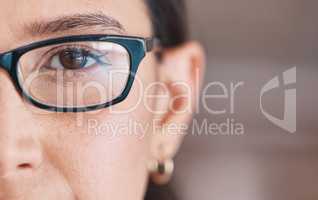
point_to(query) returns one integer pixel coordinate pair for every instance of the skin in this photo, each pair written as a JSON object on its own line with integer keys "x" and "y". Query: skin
{"x": 49, "y": 156}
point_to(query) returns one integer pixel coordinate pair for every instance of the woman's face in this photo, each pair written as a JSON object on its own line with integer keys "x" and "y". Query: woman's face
{"x": 85, "y": 156}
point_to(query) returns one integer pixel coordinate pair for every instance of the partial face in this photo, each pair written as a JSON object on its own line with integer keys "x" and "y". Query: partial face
{"x": 96, "y": 155}
{"x": 68, "y": 156}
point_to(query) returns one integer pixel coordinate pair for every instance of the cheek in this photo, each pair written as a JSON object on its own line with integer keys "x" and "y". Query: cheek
{"x": 109, "y": 166}
{"x": 103, "y": 164}
{"x": 109, "y": 150}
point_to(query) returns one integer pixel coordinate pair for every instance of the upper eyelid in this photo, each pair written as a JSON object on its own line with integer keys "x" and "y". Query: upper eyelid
{"x": 53, "y": 49}
{"x": 65, "y": 46}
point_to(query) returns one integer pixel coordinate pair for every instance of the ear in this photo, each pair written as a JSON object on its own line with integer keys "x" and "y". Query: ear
{"x": 180, "y": 71}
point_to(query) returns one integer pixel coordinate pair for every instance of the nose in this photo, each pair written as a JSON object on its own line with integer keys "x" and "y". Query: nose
{"x": 20, "y": 150}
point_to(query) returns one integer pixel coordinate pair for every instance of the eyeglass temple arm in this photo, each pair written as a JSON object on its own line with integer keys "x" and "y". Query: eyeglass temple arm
{"x": 152, "y": 44}
{"x": 5, "y": 61}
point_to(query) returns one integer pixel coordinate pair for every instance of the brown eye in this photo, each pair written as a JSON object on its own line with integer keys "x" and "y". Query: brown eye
{"x": 73, "y": 58}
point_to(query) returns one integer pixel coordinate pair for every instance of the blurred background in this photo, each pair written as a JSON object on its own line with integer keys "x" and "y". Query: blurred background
{"x": 251, "y": 42}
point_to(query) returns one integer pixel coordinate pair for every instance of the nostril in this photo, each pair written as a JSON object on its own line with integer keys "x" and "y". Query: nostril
{"x": 24, "y": 166}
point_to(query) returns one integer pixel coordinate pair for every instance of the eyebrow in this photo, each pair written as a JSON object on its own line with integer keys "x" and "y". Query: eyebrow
{"x": 76, "y": 21}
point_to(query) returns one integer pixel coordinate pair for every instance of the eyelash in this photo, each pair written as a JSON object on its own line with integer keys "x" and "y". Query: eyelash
{"x": 56, "y": 50}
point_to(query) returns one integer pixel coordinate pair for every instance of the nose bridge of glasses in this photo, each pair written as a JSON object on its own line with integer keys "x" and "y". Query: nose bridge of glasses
{"x": 5, "y": 61}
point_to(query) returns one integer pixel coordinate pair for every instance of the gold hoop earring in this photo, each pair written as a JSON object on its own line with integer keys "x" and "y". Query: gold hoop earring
{"x": 161, "y": 171}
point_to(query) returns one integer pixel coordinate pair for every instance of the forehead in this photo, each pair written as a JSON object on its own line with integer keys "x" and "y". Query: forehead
{"x": 132, "y": 14}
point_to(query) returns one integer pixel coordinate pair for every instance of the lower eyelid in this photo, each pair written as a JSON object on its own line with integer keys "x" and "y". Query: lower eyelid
{"x": 72, "y": 75}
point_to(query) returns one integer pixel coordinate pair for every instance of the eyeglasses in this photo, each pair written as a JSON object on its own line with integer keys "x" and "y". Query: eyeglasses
{"x": 76, "y": 73}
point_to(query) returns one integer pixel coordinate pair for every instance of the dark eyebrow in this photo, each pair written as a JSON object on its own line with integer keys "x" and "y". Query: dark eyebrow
{"x": 76, "y": 21}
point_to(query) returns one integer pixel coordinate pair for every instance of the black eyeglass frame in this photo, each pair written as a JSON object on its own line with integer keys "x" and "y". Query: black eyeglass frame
{"x": 137, "y": 47}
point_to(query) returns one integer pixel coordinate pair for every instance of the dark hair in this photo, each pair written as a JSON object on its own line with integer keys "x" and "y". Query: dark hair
{"x": 170, "y": 26}
{"x": 169, "y": 19}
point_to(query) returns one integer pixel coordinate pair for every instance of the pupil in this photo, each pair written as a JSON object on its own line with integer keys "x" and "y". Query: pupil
{"x": 73, "y": 58}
